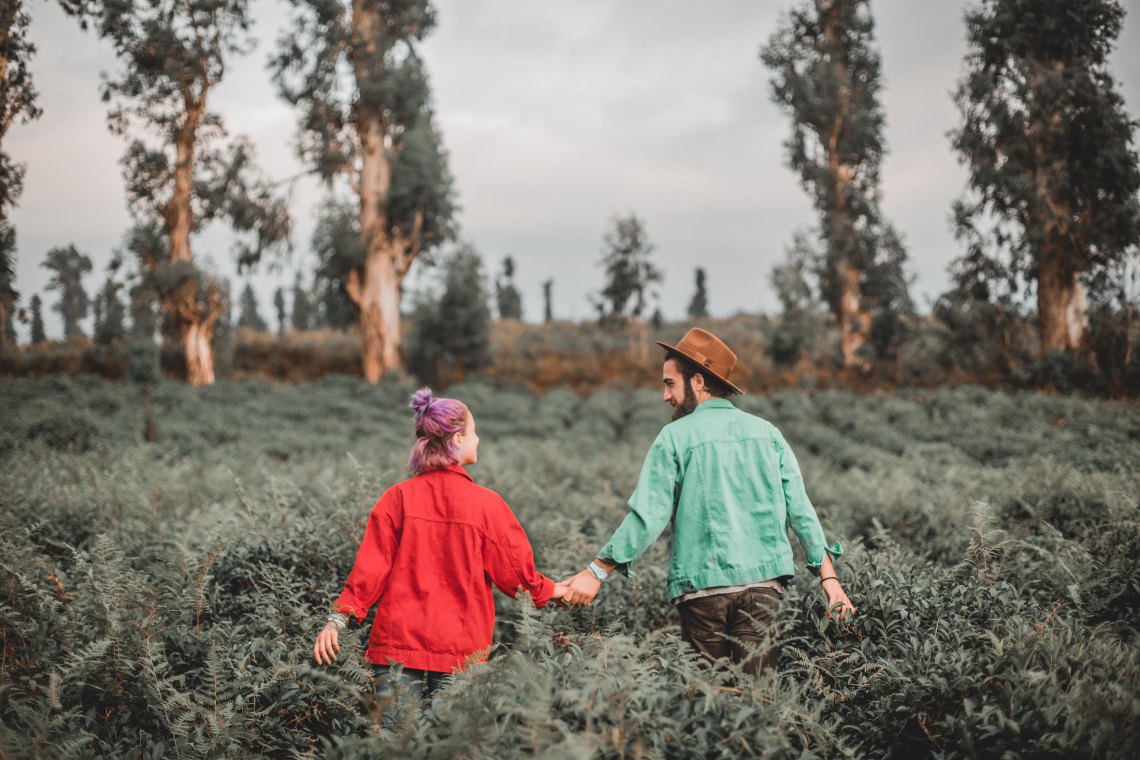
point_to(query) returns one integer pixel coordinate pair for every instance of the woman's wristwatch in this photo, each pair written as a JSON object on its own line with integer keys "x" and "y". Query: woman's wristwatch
{"x": 597, "y": 571}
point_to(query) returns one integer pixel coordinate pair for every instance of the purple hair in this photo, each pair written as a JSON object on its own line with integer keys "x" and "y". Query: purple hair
{"x": 437, "y": 422}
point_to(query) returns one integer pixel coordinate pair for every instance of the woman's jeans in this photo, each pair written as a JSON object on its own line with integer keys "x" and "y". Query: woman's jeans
{"x": 417, "y": 684}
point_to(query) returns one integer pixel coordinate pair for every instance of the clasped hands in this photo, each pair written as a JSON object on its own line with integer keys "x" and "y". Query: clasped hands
{"x": 577, "y": 590}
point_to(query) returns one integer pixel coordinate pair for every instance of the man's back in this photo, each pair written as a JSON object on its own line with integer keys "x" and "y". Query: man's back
{"x": 732, "y": 486}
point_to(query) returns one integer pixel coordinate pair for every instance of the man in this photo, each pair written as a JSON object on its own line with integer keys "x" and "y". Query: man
{"x": 729, "y": 483}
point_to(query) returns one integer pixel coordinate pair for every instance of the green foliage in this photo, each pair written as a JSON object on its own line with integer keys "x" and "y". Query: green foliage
{"x": 507, "y": 296}
{"x": 628, "y": 271}
{"x": 450, "y": 334}
{"x": 17, "y": 96}
{"x": 163, "y": 598}
{"x": 38, "y": 334}
{"x": 826, "y": 74}
{"x": 355, "y": 75}
{"x": 173, "y": 53}
{"x": 250, "y": 318}
{"x": 795, "y": 283}
{"x": 1029, "y": 63}
{"x": 339, "y": 249}
{"x": 301, "y": 317}
{"x": 699, "y": 305}
{"x": 109, "y": 314}
{"x": 69, "y": 266}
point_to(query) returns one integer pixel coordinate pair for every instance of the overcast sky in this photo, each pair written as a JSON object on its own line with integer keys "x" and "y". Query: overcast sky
{"x": 557, "y": 116}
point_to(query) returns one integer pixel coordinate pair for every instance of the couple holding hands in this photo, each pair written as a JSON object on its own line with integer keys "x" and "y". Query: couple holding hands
{"x": 727, "y": 480}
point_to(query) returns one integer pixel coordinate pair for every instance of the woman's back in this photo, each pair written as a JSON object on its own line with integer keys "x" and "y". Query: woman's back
{"x": 433, "y": 545}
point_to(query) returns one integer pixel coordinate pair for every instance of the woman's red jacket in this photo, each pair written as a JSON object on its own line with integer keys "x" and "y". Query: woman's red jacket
{"x": 432, "y": 547}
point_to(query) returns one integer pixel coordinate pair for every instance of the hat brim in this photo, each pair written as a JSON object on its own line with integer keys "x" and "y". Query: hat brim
{"x": 688, "y": 356}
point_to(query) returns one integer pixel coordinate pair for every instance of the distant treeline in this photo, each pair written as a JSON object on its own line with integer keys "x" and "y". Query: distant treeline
{"x": 1049, "y": 220}
{"x": 585, "y": 356}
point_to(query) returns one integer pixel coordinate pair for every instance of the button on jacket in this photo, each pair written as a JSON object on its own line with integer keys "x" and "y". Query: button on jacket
{"x": 432, "y": 547}
{"x": 731, "y": 486}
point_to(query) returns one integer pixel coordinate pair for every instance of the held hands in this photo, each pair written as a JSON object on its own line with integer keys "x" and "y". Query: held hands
{"x": 327, "y": 646}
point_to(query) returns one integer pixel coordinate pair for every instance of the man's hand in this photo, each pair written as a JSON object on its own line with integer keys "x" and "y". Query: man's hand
{"x": 838, "y": 605}
{"x": 581, "y": 588}
{"x": 324, "y": 651}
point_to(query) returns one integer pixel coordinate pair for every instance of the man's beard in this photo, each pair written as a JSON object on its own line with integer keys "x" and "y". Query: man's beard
{"x": 688, "y": 404}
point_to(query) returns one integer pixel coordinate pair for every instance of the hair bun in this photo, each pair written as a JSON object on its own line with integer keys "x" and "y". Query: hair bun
{"x": 421, "y": 400}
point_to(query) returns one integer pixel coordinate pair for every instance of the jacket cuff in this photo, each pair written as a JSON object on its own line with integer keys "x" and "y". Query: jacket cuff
{"x": 348, "y": 609}
{"x": 816, "y": 563}
{"x": 545, "y": 592}
{"x": 625, "y": 568}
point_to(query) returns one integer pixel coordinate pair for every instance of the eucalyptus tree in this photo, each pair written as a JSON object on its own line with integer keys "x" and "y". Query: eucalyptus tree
{"x": 353, "y": 71}
{"x": 826, "y": 75}
{"x": 110, "y": 314}
{"x": 629, "y": 271}
{"x": 507, "y": 296}
{"x": 1053, "y": 174}
{"x": 451, "y": 322}
{"x": 280, "y": 308}
{"x": 18, "y": 98}
{"x": 301, "y": 317}
{"x": 17, "y": 102}
{"x": 699, "y": 305}
{"x": 8, "y": 293}
{"x": 547, "y": 298}
{"x": 17, "y": 94}
{"x": 38, "y": 334}
{"x": 69, "y": 267}
{"x": 251, "y": 318}
{"x": 181, "y": 169}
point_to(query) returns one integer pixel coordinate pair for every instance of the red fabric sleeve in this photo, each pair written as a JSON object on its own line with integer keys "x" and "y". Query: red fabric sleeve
{"x": 369, "y": 574}
{"x": 509, "y": 560}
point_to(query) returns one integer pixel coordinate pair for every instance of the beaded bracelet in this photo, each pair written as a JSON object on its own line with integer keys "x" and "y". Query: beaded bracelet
{"x": 337, "y": 619}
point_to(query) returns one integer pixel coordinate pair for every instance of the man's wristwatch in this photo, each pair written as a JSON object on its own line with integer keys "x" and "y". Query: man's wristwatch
{"x": 597, "y": 571}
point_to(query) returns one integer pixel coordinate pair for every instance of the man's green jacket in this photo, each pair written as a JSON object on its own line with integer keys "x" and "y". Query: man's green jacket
{"x": 729, "y": 482}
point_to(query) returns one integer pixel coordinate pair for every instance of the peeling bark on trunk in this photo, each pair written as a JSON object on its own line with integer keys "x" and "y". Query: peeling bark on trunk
{"x": 377, "y": 295}
{"x": 3, "y": 322}
{"x": 1062, "y": 305}
{"x": 849, "y": 309}
{"x": 854, "y": 321}
{"x": 195, "y": 324}
{"x": 375, "y": 287}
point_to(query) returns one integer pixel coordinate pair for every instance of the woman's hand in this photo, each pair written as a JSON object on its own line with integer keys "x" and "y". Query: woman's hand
{"x": 327, "y": 646}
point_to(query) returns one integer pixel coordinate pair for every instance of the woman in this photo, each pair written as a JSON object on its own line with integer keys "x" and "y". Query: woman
{"x": 432, "y": 547}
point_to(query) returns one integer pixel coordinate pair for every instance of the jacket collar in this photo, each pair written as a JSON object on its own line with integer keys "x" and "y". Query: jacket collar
{"x": 715, "y": 403}
{"x": 457, "y": 469}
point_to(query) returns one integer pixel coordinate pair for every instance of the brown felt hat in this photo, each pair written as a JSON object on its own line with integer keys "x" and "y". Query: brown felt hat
{"x": 708, "y": 352}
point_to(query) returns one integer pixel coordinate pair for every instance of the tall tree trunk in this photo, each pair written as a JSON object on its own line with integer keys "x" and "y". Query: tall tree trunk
{"x": 850, "y": 310}
{"x": 854, "y": 320}
{"x": 150, "y": 428}
{"x": 376, "y": 288}
{"x": 377, "y": 294}
{"x": 195, "y": 324}
{"x": 1062, "y": 306}
{"x": 3, "y": 321}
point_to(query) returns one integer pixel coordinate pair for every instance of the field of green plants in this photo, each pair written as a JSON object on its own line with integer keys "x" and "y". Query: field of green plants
{"x": 161, "y": 599}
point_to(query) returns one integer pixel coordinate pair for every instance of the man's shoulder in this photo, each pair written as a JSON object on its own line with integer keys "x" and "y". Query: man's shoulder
{"x": 736, "y": 423}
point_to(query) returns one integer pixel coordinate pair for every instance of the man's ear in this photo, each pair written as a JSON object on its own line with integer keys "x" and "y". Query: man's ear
{"x": 698, "y": 382}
